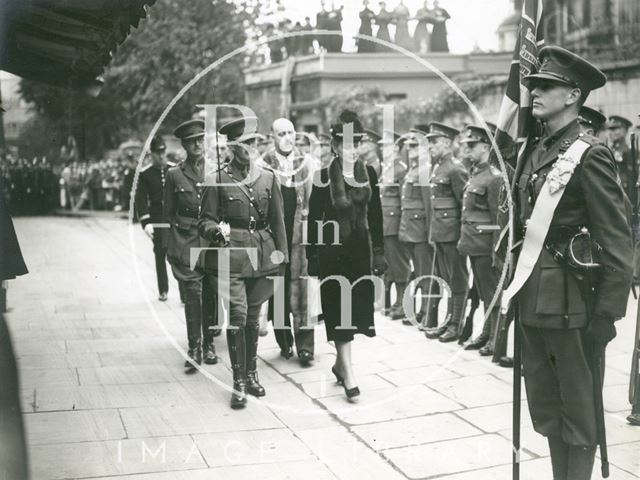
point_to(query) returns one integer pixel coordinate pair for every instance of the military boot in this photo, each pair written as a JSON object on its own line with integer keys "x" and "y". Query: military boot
{"x": 251, "y": 339}
{"x": 559, "y": 457}
{"x": 581, "y": 461}
{"x": 209, "y": 352}
{"x": 388, "y": 308}
{"x": 452, "y": 333}
{"x": 237, "y": 356}
{"x": 397, "y": 310}
{"x": 485, "y": 336}
{"x": 193, "y": 314}
{"x": 501, "y": 337}
{"x": 489, "y": 348}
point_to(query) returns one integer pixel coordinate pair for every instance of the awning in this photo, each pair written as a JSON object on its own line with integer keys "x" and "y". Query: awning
{"x": 65, "y": 42}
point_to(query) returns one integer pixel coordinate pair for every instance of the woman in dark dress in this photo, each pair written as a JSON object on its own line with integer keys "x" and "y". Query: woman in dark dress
{"x": 421, "y": 34}
{"x": 401, "y": 18}
{"x": 383, "y": 19}
{"x": 356, "y": 211}
{"x": 366, "y": 17}
{"x": 439, "y": 42}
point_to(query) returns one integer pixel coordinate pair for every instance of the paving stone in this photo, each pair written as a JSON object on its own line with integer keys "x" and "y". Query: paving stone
{"x": 479, "y": 366}
{"x": 118, "y": 345}
{"x": 347, "y": 457}
{"x": 616, "y": 398}
{"x": 529, "y": 470}
{"x": 328, "y": 387}
{"x": 414, "y": 431}
{"x": 112, "y": 396}
{"x": 251, "y": 447}
{"x": 54, "y": 361}
{"x": 36, "y": 377}
{"x": 317, "y": 375}
{"x": 494, "y": 418}
{"x": 530, "y": 440}
{"x": 474, "y": 391}
{"x": 447, "y": 457}
{"x": 389, "y": 404}
{"x": 68, "y": 427}
{"x": 35, "y": 347}
{"x": 626, "y": 457}
{"x": 124, "y": 375}
{"x": 418, "y": 376}
{"x": 118, "y": 457}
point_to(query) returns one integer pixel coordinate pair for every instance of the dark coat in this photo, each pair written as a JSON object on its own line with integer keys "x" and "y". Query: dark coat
{"x": 351, "y": 259}
{"x": 182, "y": 196}
{"x": 150, "y": 193}
{"x": 447, "y": 185}
{"x": 11, "y": 261}
{"x": 479, "y": 211}
{"x": 594, "y": 199}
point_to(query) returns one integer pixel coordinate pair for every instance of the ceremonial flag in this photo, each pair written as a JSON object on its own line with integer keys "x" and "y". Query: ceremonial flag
{"x": 514, "y": 119}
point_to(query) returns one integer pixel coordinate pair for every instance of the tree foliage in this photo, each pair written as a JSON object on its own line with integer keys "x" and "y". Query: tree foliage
{"x": 176, "y": 42}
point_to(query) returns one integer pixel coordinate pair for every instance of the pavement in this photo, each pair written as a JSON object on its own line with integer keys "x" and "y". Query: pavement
{"x": 104, "y": 394}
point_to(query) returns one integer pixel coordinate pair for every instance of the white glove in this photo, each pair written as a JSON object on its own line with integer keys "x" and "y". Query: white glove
{"x": 148, "y": 229}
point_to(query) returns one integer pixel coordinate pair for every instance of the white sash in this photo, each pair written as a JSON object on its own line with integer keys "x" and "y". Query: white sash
{"x": 540, "y": 221}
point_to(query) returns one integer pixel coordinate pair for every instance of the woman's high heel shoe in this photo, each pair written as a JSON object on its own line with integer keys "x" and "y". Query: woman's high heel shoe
{"x": 339, "y": 378}
{"x": 351, "y": 393}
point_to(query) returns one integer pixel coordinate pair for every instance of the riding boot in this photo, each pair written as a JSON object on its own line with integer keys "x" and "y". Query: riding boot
{"x": 431, "y": 318}
{"x": 237, "y": 356}
{"x": 581, "y": 461}
{"x": 397, "y": 310}
{"x": 501, "y": 336}
{"x": 387, "y": 307}
{"x": 483, "y": 339}
{"x": 251, "y": 340}
{"x": 193, "y": 314}
{"x": 438, "y": 330}
{"x": 559, "y": 457}
{"x": 453, "y": 328}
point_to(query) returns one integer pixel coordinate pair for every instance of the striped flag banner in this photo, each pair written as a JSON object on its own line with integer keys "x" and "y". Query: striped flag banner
{"x": 514, "y": 119}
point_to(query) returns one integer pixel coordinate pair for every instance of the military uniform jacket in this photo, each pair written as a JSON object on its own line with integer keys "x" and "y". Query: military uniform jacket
{"x": 480, "y": 211}
{"x": 182, "y": 196}
{"x": 150, "y": 193}
{"x": 447, "y": 186}
{"x": 231, "y": 201}
{"x": 624, "y": 161}
{"x": 390, "y": 196}
{"x": 415, "y": 201}
{"x": 593, "y": 198}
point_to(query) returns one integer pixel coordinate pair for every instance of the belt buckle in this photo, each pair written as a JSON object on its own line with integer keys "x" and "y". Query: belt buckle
{"x": 252, "y": 224}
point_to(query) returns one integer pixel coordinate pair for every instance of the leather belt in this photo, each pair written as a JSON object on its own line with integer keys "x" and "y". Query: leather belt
{"x": 247, "y": 224}
{"x": 187, "y": 212}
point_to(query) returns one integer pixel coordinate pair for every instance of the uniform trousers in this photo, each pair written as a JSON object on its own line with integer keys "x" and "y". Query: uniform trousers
{"x": 485, "y": 278}
{"x": 245, "y": 296}
{"x": 422, "y": 256}
{"x": 397, "y": 257}
{"x": 559, "y": 383}
{"x": 160, "y": 254}
{"x": 452, "y": 267}
{"x": 198, "y": 326}
{"x": 304, "y": 337}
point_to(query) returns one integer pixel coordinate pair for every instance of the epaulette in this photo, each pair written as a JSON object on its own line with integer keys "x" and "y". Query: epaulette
{"x": 146, "y": 167}
{"x": 171, "y": 164}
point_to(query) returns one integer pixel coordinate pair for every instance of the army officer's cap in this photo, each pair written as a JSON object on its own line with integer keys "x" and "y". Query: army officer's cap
{"x": 389, "y": 136}
{"x": 437, "y": 129}
{"x": 372, "y": 135}
{"x": 616, "y": 121}
{"x": 476, "y": 134}
{"x": 241, "y": 129}
{"x": 565, "y": 67}
{"x": 591, "y": 117}
{"x": 190, "y": 129}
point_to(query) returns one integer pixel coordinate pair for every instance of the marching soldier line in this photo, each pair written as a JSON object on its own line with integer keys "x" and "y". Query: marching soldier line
{"x": 430, "y": 232}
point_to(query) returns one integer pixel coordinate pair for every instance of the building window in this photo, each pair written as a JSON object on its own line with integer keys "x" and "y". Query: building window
{"x": 396, "y": 96}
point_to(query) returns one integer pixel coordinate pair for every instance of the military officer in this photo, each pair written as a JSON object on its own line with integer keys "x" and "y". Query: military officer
{"x": 559, "y": 325}
{"x": 247, "y": 198}
{"x": 414, "y": 227}
{"x": 395, "y": 252}
{"x": 591, "y": 120}
{"x": 182, "y": 196}
{"x": 618, "y": 129}
{"x": 447, "y": 184}
{"x": 479, "y": 222}
{"x": 149, "y": 198}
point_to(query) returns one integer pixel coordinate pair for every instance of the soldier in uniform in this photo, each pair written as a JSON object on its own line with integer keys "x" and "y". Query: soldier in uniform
{"x": 149, "y": 198}
{"x": 413, "y": 230}
{"x": 395, "y": 252}
{"x": 447, "y": 184}
{"x": 560, "y": 323}
{"x": 591, "y": 121}
{"x": 182, "y": 196}
{"x": 479, "y": 222}
{"x": 247, "y": 198}
{"x": 618, "y": 128}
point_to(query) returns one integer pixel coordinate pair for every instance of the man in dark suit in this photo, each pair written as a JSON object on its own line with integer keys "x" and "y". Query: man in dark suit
{"x": 563, "y": 320}
{"x": 287, "y": 161}
{"x": 149, "y": 198}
